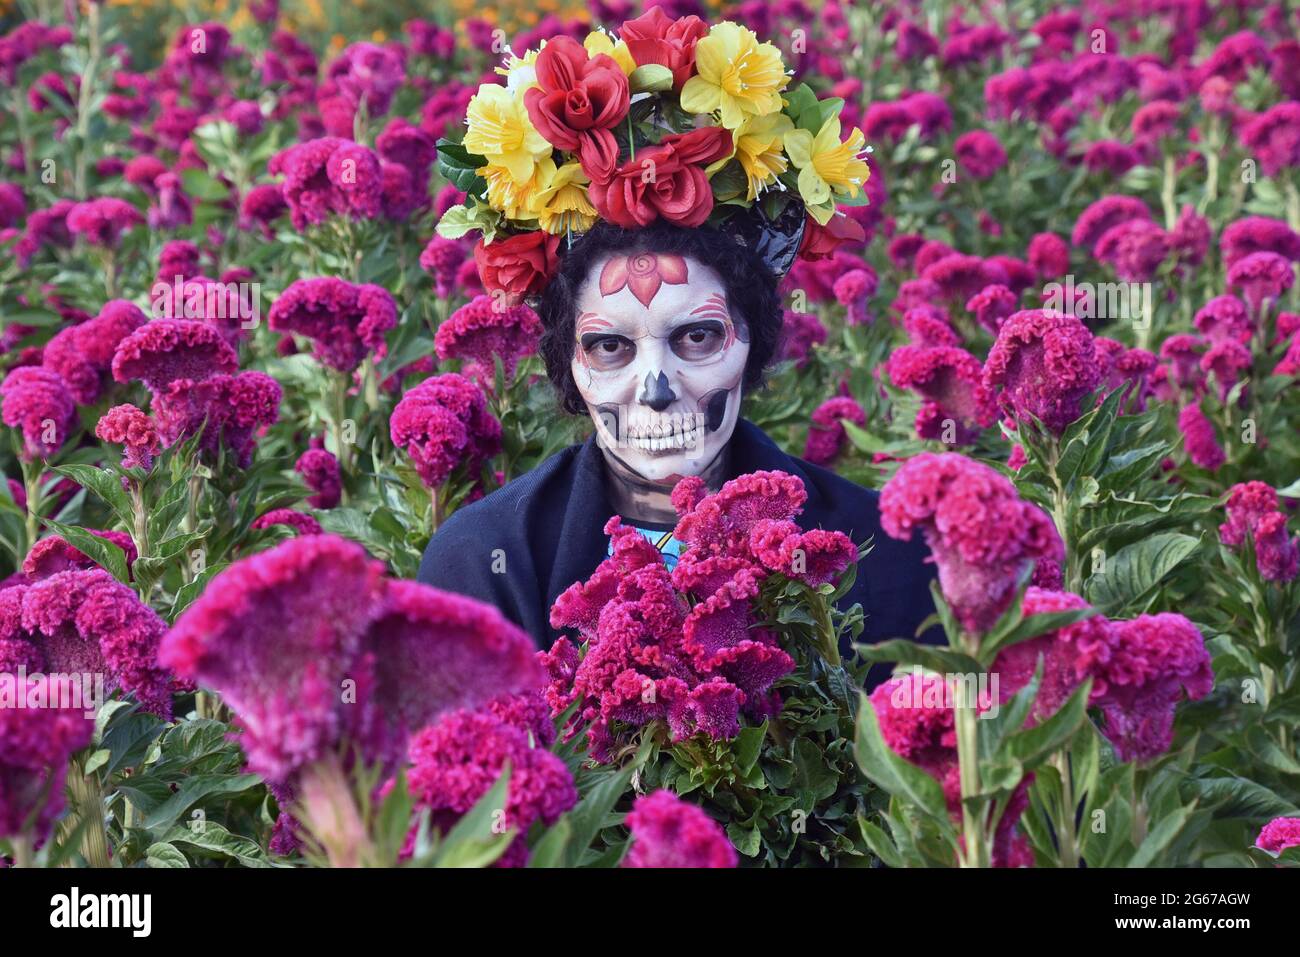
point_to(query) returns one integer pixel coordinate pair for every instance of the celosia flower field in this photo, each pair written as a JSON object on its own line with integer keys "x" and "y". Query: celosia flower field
{"x": 256, "y": 352}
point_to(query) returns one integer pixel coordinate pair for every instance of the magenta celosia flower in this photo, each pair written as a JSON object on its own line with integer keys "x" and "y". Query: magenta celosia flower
{"x": 179, "y": 257}
{"x": 1070, "y": 654}
{"x": 1274, "y": 136}
{"x": 957, "y": 404}
{"x": 1105, "y": 214}
{"x": 171, "y": 208}
{"x": 228, "y": 410}
{"x": 1199, "y": 438}
{"x": 977, "y": 44}
{"x": 1276, "y": 554}
{"x": 346, "y": 321}
{"x": 101, "y": 222}
{"x": 481, "y": 331}
{"x": 263, "y": 205}
{"x": 368, "y": 661}
{"x": 981, "y": 534}
{"x": 1227, "y": 361}
{"x": 1279, "y": 834}
{"x": 927, "y": 325}
{"x": 1135, "y": 248}
{"x": 1155, "y": 660}
{"x": 852, "y": 290}
{"x": 457, "y": 760}
{"x": 1259, "y": 234}
{"x": 83, "y": 354}
{"x": 368, "y": 73}
{"x": 991, "y": 305}
{"x": 1225, "y": 317}
{"x": 669, "y": 832}
{"x": 980, "y": 153}
{"x": 320, "y": 473}
{"x": 164, "y": 350}
{"x": 1111, "y": 157}
{"x": 131, "y": 428}
{"x": 957, "y": 276}
{"x": 442, "y": 259}
{"x": 53, "y": 554}
{"x": 36, "y": 741}
{"x": 444, "y": 422}
{"x": 1044, "y": 364}
{"x": 1247, "y": 503}
{"x": 799, "y": 333}
{"x": 329, "y": 176}
{"x": 86, "y": 621}
{"x": 300, "y": 522}
{"x": 410, "y": 147}
{"x": 36, "y": 400}
{"x": 1262, "y": 278}
{"x": 826, "y": 433}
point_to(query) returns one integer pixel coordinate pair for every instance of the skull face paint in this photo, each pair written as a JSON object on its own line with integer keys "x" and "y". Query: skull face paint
{"x": 659, "y": 360}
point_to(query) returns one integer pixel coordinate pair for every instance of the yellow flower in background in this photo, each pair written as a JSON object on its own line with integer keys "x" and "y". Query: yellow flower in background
{"x": 737, "y": 76}
{"x": 499, "y": 129}
{"x": 759, "y": 143}
{"x": 598, "y": 42}
{"x": 563, "y": 205}
{"x": 520, "y": 72}
{"x": 513, "y": 198}
{"x": 827, "y": 166}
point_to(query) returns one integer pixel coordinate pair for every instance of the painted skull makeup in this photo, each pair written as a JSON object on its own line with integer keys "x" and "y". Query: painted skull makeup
{"x": 659, "y": 361}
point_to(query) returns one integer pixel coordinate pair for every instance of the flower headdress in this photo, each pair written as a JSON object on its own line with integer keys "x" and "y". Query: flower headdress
{"x": 669, "y": 120}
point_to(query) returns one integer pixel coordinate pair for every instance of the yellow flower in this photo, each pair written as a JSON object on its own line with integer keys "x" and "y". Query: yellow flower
{"x": 520, "y": 72}
{"x": 563, "y": 206}
{"x": 598, "y": 41}
{"x": 827, "y": 166}
{"x": 737, "y": 75}
{"x": 499, "y": 129}
{"x": 512, "y": 198}
{"x": 758, "y": 147}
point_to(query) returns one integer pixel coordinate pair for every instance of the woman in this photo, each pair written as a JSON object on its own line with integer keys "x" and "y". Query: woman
{"x": 656, "y": 334}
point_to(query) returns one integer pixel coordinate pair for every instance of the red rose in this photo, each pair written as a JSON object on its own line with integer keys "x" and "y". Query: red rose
{"x": 820, "y": 242}
{"x": 519, "y": 266}
{"x": 577, "y": 101}
{"x": 654, "y": 38}
{"x": 666, "y": 180}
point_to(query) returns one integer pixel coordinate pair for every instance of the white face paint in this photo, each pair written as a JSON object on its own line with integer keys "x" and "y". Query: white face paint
{"x": 659, "y": 360}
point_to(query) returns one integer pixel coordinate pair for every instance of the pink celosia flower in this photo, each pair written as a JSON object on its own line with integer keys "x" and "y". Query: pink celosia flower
{"x": 1279, "y": 834}
{"x": 1105, "y": 214}
{"x": 799, "y": 333}
{"x": 131, "y": 428}
{"x": 1259, "y": 234}
{"x": 300, "y": 522}
{"x": 455, "y": 761}
{"x": 481, "y": 331}
{"x": 228, "y": 410}
{"x": 36, "y": 741}
{"x": 53, "y": 554}
{"x": 1224, "y": 317}
{"x": 346, "y": 321}
{"x": 408, "y": 651}
{"x": 368, "y": 73}
{"x": 1247, "y": 503}
{"x": 101, "y": 222}
{"x": 1044, "y": 364}
{"x": 852, "y": 290}
{"x": 1135, "y": 248}
{"x": 1154, "y": 661}
{"x": 444, "y": 422}
{"x": 958, "y": 277}
{"x": 1049, "y": 255}
{"x": 82, "y": 621}
{"x": 442, "y": 259}
{"x": 1262, "y": 278}
{"x": 1274, "y": 136}
{"x": 982, "y": 535}
{"x": 263, "y": 205}
{"x": 320, "y": 472}
{"x": 1200, "y": 439}
{"x": 991, "y": 305}
{"x": 83, "y": 354}
{"x": 1276, "y": 554}
{"x": 669, "y": 832}
{"x": 979, "y": 153}
{"x": 164, "y": 350}
{"x": 329, "y": 176}
{"x": 36, "y": 401}
{"x": 1226, "y": 361}
{"x": 957, "y": 406}
{"x": 826, "y": 433}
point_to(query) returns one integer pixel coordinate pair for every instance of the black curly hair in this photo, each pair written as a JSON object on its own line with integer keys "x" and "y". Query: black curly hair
{"x": 750, "y": 284}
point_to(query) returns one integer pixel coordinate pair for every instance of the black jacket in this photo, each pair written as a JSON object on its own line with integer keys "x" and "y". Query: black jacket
{"x": 524, "y": 544}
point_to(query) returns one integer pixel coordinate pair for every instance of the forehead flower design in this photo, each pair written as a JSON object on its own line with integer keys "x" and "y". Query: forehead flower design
{"x": 643, "y": 274}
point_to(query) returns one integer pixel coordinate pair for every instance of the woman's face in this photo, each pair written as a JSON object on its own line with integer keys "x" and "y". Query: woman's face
{"x": 659, "y": 360}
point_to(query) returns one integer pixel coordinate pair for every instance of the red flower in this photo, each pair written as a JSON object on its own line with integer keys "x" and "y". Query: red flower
{"x": 519, "y": 266}
{"x": 666, "y": 181}
{"x": 654, "y": 38}
{"x": 578, "y": 100}
{"x": 820, "y": 242}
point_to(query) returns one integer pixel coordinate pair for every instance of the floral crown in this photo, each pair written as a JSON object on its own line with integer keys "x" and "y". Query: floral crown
{"x": 669, "y": 120}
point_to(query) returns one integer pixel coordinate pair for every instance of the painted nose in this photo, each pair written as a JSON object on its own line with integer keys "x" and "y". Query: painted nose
{"x": 656, "y": 393}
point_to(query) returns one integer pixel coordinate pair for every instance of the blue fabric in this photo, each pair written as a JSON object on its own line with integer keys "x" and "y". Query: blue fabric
{"x": 524, "y": 544}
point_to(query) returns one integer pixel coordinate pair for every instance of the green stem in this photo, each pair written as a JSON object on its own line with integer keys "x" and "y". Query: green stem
{"x": 32, "y": 483}
{"x": 1167, "y": 191}
{"x": 22, "y": 845}
{"x": 85, "y": 94}
{"x": 976, "y": 852}
{"x": 1066, "y": 837}
{"x": 342, "y": 449}
{"x": 1292, "y": 205}
{"x": 88, "y": 807}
